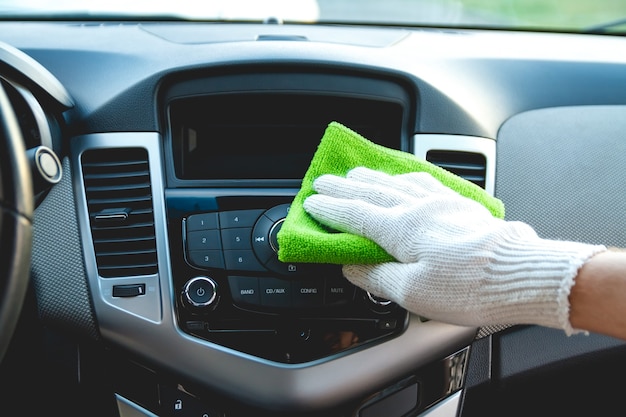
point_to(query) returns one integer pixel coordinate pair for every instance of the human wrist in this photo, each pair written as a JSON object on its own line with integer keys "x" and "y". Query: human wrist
{"x": 532, "y": 280}
{"x": 595, "y": 296}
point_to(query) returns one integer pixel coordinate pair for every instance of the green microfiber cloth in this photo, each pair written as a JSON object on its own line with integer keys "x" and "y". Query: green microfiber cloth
{"x": 302, "y": 239}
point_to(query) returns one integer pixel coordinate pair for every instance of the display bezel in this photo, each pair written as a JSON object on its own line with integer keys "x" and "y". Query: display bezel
{"x": 305, "y": 103}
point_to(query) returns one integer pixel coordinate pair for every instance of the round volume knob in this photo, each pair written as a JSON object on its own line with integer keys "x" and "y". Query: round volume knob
{"x": 201, "y": 292}
{"x": 379, "y": 304}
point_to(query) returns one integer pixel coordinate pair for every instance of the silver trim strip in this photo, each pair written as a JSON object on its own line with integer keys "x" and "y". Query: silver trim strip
{"x": 35, "y": 72}
{"x": 447, "y": 408}
{"x": 422, "y": 143}
{"x": 38, "y": 113}
{"x": 128, "y": 408}
{"x": 148, "y": 306}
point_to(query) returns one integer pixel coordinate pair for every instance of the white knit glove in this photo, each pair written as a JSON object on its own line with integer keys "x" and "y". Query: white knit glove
{"x": 457, "y": 263}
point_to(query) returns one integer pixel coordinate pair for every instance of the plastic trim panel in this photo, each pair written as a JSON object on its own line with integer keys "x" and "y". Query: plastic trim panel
{"x": 313, "y": 385}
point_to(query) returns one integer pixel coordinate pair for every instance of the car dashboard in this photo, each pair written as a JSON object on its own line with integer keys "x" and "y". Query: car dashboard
{"x": 181, "y": 146}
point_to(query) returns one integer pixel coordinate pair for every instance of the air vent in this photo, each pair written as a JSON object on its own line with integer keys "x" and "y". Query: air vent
{"x": 469, "y": 165}
{"x": 119, "y": 200}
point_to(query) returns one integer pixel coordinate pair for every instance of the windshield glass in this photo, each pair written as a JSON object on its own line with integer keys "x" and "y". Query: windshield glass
{"x": 602, "y": 16}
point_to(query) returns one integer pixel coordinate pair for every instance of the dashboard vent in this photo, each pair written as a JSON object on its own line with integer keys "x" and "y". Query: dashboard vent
{"x": 469, "y": 165}
{"x": 119, "y": 201}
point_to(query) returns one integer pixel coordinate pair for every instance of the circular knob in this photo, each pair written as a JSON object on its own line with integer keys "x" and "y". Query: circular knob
{"x": 201, "y": 292}
{"x": 45, "y": 167}
{"x": 379, "y": 304}
{"x": 265, "y": 243}
{"x": 273, "y": 233}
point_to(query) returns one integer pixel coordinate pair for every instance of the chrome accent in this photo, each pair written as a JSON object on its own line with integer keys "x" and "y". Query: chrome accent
{"x": 422, "y": 143}
{"x": 454, "y": 368}
{"x": 272, "y": 232}
{"x": 35, "y": 72}
{"x": 128, "y": 408}
{"x": 43, "y": 126}
{"x": 109, "y": 215}
{"x": 447, "y": 408}
{"x": 190, "y": 299}
{"x": 377, "y": 300}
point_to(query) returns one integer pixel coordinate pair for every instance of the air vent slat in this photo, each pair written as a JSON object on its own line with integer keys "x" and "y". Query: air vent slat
{"x": 128, "y": 187}
{"x": 129, "y": 254}
{"x": 474, "y": 179}
{"x": 122, "y": 271}
{"x": 128, "y": 269}
{"x": 466, "y": 167}
{"x": 115, "y": 164}
{"x": 137, "y": 240}
{"x": 469, "y": 165}
{"x": 119, "y": 200}
{"x": 126, "y": 227}
{"x": 117, "y": 175}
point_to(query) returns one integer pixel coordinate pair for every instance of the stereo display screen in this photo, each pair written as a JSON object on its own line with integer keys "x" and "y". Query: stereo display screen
{"x": 265, "y": 136}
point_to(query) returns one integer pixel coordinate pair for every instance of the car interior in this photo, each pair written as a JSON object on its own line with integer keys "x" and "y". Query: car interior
{"x": 147, "y": 164}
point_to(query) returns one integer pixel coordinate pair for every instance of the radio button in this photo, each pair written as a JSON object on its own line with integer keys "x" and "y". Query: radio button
{"x": 206, "y": 258}
{"x": 239, "y": 218}
{"x": 275, "y": 292}
{"x": 308, "y": 293}
{"x": 204, "y": 239}
{"x": 339, "y": 292}
{"x": 261, "y": 239}
{"x": 242, "y": 260}
{"x": 201, "y": 292}
{"x": 237, "y": 238}
{"x": 245, "y": 290}
{"x": 204, "y": 221}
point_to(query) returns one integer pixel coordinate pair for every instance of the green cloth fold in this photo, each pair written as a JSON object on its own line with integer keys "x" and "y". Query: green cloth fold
{"x": 302, "y": 239}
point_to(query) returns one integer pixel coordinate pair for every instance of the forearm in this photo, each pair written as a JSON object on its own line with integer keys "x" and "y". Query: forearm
{"x": 598, "y": 297}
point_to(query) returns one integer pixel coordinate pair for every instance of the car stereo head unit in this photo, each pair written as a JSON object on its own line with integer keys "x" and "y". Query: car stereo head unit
{"x": 238, "y": 146}
{"x": 233, "y": 290}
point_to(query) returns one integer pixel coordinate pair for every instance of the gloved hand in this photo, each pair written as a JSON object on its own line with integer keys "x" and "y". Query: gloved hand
{"x": 456, "y": 262}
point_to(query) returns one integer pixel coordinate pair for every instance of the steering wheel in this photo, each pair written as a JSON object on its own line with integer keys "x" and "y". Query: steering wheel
{"x": 16, "y": 211}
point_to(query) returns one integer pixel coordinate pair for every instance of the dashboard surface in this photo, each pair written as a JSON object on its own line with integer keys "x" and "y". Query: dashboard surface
{"x": 200, "y": 132}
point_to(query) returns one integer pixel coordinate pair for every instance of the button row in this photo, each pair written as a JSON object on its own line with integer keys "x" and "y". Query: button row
{"x": 223, "y": 220}
{"x": 240, "y": 240}
{"x": 282, "y": 293}
{"x": 222, "y": 240}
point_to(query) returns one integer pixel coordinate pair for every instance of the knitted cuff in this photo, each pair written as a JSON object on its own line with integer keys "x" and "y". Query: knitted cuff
{"x": 531, "y": 281}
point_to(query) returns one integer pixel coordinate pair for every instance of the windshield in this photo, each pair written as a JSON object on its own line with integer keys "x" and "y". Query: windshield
{"x": 602, "y": 16}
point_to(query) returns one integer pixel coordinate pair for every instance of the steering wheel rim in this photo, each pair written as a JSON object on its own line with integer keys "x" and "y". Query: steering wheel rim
{"x": 16, "y": 212}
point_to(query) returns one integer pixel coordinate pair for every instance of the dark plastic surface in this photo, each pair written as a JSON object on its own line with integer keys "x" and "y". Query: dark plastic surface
{"x": 281, "y": 312}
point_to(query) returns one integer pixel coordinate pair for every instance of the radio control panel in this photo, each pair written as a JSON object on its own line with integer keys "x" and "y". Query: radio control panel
{"x": 233, "y": 290}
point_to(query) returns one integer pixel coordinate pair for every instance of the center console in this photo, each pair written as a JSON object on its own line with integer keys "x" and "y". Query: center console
{"x": 180, "y": 234}
{"x": 238, "y": 146}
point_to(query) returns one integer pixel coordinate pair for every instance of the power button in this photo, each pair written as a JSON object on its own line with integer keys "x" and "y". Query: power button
{"x": 200, "y": 292}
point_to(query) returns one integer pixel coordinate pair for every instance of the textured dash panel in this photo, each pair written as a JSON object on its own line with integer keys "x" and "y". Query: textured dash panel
{"x": 58, "y": 272}
{"x": 563, "y": 171}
